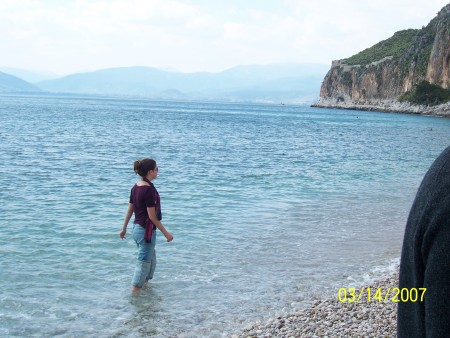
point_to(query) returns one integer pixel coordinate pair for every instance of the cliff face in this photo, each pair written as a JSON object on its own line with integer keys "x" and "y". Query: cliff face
{"x": 383, "y": 72}
{"x": 438, "y": 65}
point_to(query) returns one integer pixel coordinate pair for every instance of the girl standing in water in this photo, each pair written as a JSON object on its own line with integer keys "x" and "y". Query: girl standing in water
{"x": 146, "y": 206}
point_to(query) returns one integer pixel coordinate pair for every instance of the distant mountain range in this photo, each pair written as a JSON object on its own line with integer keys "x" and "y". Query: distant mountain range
{"x": 12, "y": 84}
{"x": 29, "y": 76}
{"x": 285, "y": 82}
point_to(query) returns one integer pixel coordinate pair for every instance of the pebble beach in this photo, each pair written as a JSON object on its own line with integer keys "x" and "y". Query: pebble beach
{"x": 333, "y": 318}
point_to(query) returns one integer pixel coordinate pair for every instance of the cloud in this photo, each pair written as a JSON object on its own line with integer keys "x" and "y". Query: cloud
{"x": 192, "y": 35}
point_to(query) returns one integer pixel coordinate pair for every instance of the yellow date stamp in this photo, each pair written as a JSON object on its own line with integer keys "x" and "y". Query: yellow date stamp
{"x": 380, "y": 295}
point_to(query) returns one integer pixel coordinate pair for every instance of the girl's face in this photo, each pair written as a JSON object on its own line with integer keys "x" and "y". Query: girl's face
{"x": 154, "y": 172}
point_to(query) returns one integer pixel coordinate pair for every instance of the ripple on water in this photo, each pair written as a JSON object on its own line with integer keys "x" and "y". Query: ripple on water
{"x": 270, "y": 206}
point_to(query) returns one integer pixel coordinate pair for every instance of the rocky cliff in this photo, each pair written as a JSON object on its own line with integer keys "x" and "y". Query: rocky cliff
{"x": 375, "y": 78}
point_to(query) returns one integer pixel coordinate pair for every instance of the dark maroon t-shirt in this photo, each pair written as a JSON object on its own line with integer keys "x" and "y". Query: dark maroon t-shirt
{"x": 143, "y": 197}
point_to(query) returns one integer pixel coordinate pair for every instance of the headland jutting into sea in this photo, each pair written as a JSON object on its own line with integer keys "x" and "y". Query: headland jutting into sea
{"x": 406, "y": 73}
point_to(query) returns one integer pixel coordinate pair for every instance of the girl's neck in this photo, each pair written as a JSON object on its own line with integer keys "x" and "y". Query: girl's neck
{"x": 145, "y": 179}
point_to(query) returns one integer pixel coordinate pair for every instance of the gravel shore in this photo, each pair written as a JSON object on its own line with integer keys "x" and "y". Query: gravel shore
{"x": 333, "y": 318}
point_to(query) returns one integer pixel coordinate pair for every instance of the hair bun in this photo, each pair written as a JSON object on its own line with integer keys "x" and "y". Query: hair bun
{"x": 142, "y": 167}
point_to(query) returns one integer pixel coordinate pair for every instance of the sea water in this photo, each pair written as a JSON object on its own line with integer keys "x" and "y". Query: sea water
{"x": 271, "y": 207}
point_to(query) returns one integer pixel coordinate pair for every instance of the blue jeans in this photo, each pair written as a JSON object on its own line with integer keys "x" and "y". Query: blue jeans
{"x": 146, "y": 257}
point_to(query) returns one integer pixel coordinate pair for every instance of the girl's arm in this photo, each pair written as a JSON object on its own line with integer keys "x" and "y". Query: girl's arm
{"x": 152, "y": 214}
{"x": 127, "y": 220}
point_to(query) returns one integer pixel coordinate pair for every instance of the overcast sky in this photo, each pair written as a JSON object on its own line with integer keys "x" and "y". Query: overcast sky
{"x": 64, "y": 36}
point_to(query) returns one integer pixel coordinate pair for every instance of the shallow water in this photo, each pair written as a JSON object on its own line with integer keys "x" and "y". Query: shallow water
{"x": 271, "y": 206}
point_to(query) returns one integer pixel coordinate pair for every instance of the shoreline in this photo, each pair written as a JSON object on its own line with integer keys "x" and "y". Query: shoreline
{"x": 333, "y": 318}
{"x": 387, "y": 106}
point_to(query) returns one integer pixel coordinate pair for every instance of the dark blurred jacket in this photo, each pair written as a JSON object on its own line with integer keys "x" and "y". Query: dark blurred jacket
{"x": 425, "y": 259}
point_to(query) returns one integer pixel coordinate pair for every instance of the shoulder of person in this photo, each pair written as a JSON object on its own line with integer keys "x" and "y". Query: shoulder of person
{"x": 142, "y": 184}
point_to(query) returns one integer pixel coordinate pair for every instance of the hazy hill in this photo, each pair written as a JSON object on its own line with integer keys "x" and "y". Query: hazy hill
{"x": 12, "y": 84}
{"x": 29, "y": 76}
{"x": 275, "y": 82}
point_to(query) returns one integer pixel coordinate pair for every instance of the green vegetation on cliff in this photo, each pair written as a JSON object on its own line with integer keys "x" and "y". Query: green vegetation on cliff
{"x": 426, "y": 94}
{"x": 395, "y": 46}
{"x": 385, "y": 70}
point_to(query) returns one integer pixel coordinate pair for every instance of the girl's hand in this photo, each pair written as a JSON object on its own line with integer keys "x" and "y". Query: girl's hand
{"x": 169, "y": 237}
{"x": 123, "y": 233}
